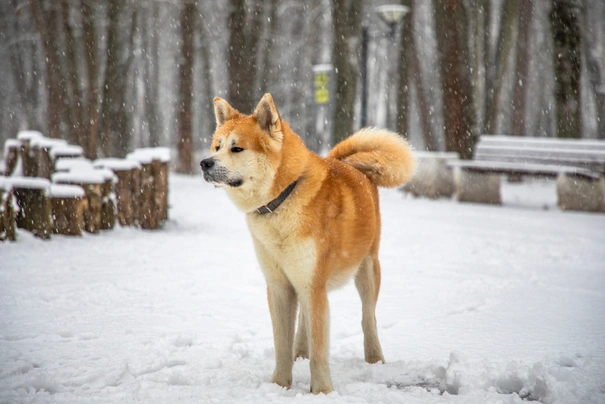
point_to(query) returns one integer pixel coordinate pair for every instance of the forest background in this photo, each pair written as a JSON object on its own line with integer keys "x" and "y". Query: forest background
{"x": 114, "y": 75}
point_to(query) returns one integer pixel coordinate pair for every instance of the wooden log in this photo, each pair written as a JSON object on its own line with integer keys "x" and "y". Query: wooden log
{"x": 161, "y": 189}
{"x": 108, "y": 201}
{"x": 126, "y": 171}
{"x": 148, "y": 217}
{"x": 29, "y": 160}
{"x": 42, "y": 148}
{"x": 12, "y": 151}
{"x": 8, "y": 213}
{"x": 137, "y": 194}
{"x": 32, "y": 196}
{"x": 68, "y": 203}
{"x": 92, "y": 182}
{"x": 153, "y": 192}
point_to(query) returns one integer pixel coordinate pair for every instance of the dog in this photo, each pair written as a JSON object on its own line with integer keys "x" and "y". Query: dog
{"x": 314, "y": 222}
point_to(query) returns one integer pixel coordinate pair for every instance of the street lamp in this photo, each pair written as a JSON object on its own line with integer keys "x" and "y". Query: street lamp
{"x": 392, "y": 15}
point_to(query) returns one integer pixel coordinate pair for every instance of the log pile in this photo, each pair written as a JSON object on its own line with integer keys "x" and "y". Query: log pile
{"x": 83, "y": 195}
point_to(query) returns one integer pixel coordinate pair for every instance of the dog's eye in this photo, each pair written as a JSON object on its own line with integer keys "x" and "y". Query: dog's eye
{"x": 217, "y": 148}
{"x": 236, "y": 149}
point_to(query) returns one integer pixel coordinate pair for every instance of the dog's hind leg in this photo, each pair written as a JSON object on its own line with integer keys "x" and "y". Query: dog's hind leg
{"x": 314, "y": 302}
{"x": 368, "y": 285}
{"x": 282, "y": 305}
{"x": 301, "y": 344}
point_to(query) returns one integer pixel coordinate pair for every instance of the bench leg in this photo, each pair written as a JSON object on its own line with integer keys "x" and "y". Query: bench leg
{"x": 472, "y": 186}
{"x": 577, "y": 193}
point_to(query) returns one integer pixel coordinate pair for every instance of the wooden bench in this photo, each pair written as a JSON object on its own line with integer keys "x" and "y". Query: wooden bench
{"x": 577, "y": 164}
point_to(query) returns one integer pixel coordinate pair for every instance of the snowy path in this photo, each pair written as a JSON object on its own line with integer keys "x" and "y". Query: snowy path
{"x": 479, "y": 304}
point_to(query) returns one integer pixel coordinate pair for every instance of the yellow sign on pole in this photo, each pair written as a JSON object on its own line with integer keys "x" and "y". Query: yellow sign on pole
{"x": 322, "y": 94}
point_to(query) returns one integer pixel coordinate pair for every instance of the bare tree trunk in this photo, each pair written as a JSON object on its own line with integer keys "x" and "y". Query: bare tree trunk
{"x": 566, "y": 20}
{"x": 115, "y": 136}
{"x": 267, "y": 77}
{"x": 57, "y": 102}
{"x": 92, "y": 66}
{"x": 595, "y": 67}
{"x": 151, "y": 49}
{"x": 421, "y": 95}
{"x": 72, "y": 71}
{"x": 21, "y": 52}
{"x": 244, "y": 33}
{"x": 207, "y": 83}
{"x": 495, "y": 100}
{"x": 403, "y": 83}
{"x": 347, "y": 24}
{"x": 185, "y": 72}
{"x": 522, "y": 68}
{"x": 454, "y": 65}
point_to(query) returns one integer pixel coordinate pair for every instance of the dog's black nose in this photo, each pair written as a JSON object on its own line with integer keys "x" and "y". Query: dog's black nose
{"x": 207, "y": 164}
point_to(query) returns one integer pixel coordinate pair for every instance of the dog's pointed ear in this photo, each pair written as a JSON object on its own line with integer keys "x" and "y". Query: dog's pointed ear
{"x": 223, "y": 111}
{"x": 267, "y": 116}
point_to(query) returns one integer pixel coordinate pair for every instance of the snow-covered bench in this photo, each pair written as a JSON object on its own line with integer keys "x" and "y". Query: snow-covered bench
{"x": 577, "y": 164}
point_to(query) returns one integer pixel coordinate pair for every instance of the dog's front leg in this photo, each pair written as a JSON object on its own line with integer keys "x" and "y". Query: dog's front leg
{"x": 317, "y": 317}
{"x": 282, "y": 305}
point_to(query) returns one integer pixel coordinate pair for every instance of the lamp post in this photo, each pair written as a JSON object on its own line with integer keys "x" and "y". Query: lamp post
{"x": 392, "y": 15}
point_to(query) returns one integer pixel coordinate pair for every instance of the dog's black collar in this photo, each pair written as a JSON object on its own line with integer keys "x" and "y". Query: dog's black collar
{"x": 274, "y": 204}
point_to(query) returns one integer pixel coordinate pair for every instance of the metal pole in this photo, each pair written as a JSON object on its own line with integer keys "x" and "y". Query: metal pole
{"x": 365, "y": 37}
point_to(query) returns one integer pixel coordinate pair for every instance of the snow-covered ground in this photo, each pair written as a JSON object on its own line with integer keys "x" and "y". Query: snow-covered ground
{"x": 479, "y": 304}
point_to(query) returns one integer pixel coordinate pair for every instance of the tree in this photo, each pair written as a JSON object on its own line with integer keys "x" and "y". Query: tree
{"x": 347, "y": 28}
{"x": 244, "y": 26}
{"x": 566, "y": 20}
{"x": 185, "y": 72}
{"x": 91, "y": 57}
{"x": 596, "y": 68}
{"x": 495, "y": 88}
{"x": 115, "y": 135}
{"x": 46, "y": 22}
{"x": 403, "y": 82}
{"x": 522, "y": 68}
{"x": 454, "y": 66}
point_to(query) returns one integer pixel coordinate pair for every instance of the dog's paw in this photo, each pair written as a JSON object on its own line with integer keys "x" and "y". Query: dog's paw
{"x": 282, "y": 380}
{"x": 319, "y": 387}
{"x": 301, "y": 354}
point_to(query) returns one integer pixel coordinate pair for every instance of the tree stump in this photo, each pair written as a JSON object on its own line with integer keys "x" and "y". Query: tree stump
{"x": 125, "y": 171}
{"x": 29, "y": 159}
{"x": 108, "y": 199}
{"x": 12, "y": 150}
{"x": 32, "y": 196}
{"x": 7, "y": 211}
{"x": 162, "y": 169}
{"x": 42, "y": 147}
{"x": 92, "y": 183}
{"x": 148, "y": 214}
{"x": 152, "y": 195}
{"x": 68, "y": 203}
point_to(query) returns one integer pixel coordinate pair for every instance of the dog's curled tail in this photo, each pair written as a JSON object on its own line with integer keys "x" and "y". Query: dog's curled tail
{"x": 383, "y": 156}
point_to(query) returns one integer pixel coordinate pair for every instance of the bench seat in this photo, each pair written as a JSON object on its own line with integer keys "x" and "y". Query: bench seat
{"x": 577, "y": 164}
